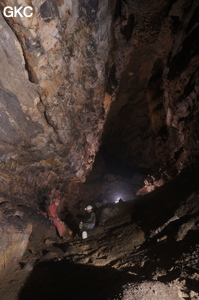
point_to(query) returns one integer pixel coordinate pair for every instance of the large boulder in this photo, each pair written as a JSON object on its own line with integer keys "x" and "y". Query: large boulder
{"x": 14, "y": 237}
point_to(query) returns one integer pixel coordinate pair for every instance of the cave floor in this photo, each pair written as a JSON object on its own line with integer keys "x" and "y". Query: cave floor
{"x": 137, "y": 254}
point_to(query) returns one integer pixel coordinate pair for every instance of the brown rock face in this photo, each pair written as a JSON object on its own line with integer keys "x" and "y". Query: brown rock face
{"x": 14, "y": 240}
{"x": 52, "y": 103}
{"x": 52, "y": 90}
{"x": 154, "y": 119}
{"x": 60, "y": 71}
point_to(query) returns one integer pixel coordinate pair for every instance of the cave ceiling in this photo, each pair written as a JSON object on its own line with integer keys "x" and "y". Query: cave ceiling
{"x": 77, "y": 74}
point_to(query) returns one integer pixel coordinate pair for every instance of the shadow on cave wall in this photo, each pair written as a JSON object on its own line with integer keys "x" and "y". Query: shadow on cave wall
{"x": 157, "y": 207}
{"x": 63, "y": 280}
{"x": 112, "y": 164}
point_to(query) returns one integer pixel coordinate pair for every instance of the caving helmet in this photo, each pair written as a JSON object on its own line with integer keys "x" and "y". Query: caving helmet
{"x": 89, "y": 207}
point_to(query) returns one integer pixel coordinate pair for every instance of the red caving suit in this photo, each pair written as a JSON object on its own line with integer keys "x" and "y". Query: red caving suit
{"x": 52, "y": 214}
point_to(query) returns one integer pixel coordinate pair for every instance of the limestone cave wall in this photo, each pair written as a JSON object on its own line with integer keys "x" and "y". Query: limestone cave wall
{"x": 52, "y": 92}
{"x": 80, "y": 73}
{"x": 77, "y": 65}
{"x": 153, "y": 123}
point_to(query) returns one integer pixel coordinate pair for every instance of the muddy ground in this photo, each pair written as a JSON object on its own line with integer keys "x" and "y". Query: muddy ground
{"x": 148, "y": 250}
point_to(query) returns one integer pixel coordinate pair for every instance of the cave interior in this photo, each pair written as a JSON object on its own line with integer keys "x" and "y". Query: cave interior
{"x": 99, "y": 105}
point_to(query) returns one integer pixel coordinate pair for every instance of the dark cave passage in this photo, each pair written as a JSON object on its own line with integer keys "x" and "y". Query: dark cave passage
{"x": 80, "y": 274}
{"x": 115, "y": 165}
{"x": 99, "y": 107}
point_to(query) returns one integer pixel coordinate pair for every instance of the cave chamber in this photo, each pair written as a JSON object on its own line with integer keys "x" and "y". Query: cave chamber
{"x": 99, "y": 106}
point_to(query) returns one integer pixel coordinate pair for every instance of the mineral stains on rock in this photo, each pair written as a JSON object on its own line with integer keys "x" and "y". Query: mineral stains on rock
{"x": 78, "y": 75}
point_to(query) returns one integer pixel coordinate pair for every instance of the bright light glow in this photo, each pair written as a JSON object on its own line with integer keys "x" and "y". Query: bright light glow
{"x": 118, "y": 199}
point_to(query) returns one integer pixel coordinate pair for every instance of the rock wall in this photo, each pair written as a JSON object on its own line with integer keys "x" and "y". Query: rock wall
{"x": 181, "y": 81}
{"x": 60, "y": 71}
{"x": 52, "y": 92}
{"x": 53, "y": 105}
{"x": 14, "y": 241}
{"x": 153, "y": 121}
{"x": 62, "y": 68}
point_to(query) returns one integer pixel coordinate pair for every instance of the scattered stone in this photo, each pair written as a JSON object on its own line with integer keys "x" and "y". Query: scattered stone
{"x": 150, "y": 290}
{"x": 193, "y": 295}
{"x": 50, "y": 241}
{"x": 159, "y": 273}
{"x": 162, "y": 238}
{"x": 185, "y": 228}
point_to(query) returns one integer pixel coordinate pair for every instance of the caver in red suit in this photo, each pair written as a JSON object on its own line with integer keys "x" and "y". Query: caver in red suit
{"x": 53, "y": 216}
